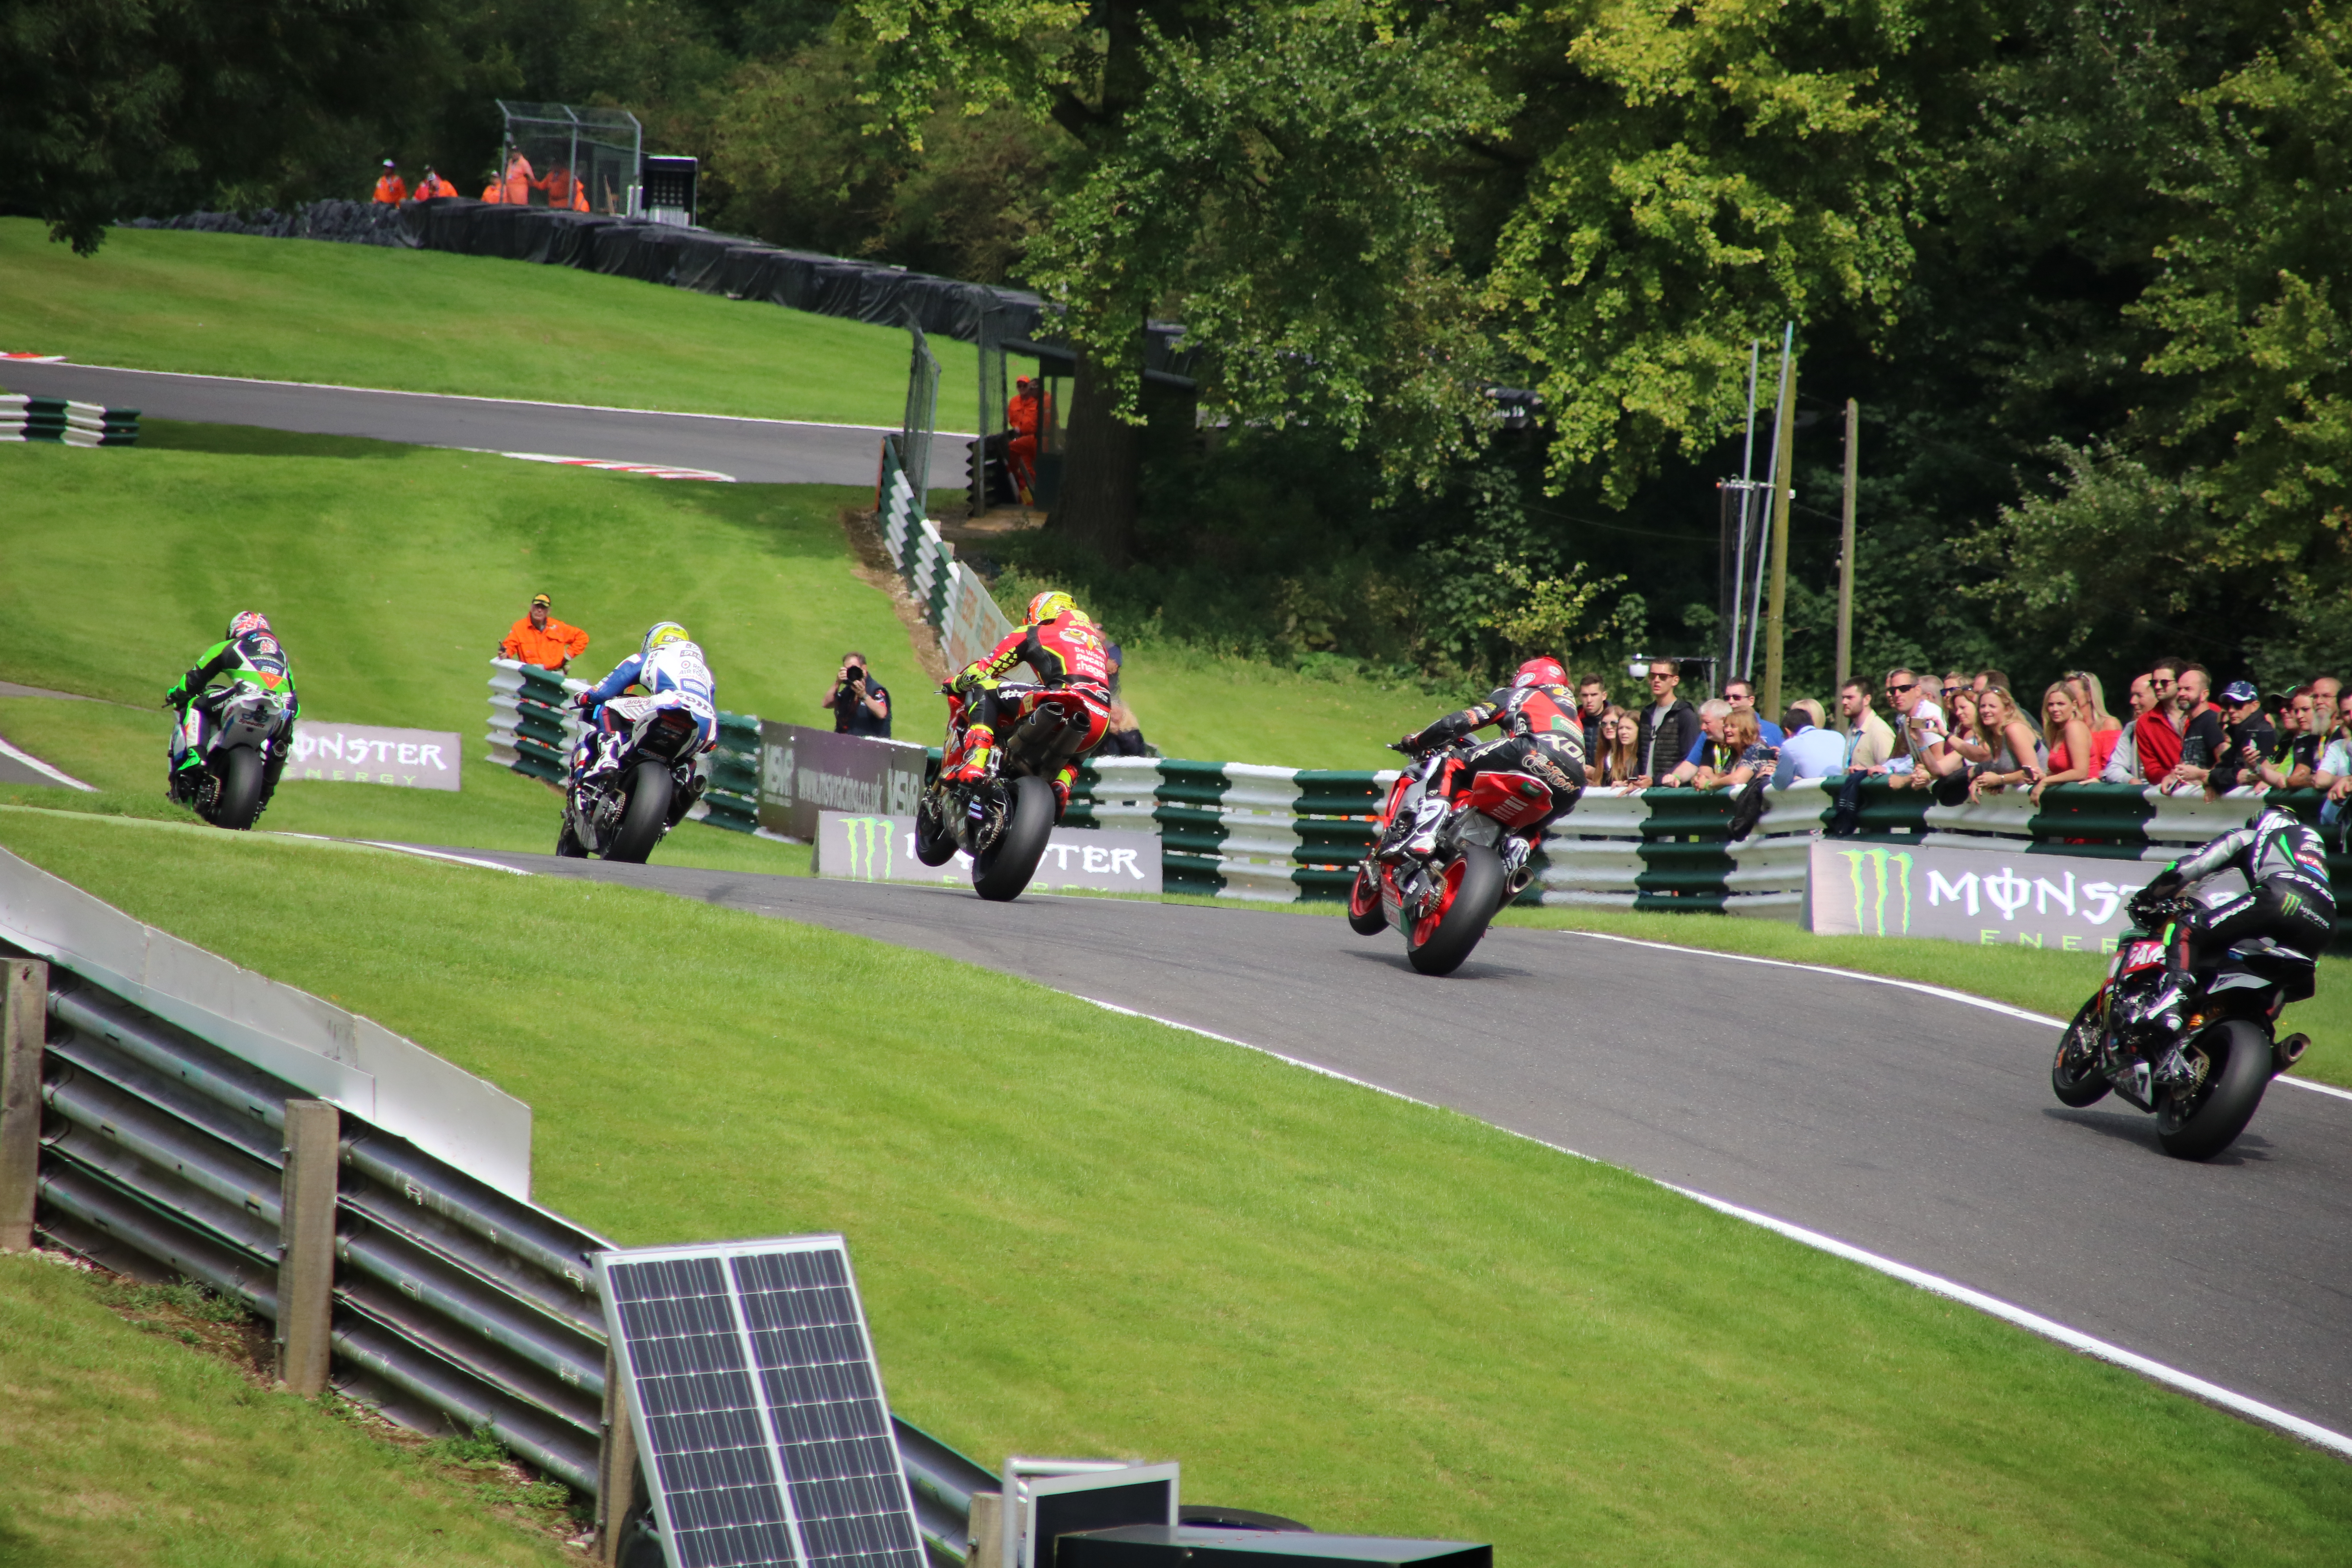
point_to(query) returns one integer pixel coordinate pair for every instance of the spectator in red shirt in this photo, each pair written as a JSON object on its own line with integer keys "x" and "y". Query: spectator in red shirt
{"x": 2156, "y": 735}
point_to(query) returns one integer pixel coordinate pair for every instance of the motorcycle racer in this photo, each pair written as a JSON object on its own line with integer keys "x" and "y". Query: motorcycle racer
{"x": 250, "y": 652}
{"x": 1541, "y": 736}
{"x": 2288, "y": 897}
{"x": 669, "y": 668}
{"x": 1069, "y": 653}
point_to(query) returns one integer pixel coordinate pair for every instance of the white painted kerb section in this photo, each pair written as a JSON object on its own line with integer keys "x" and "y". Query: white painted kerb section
{"x": 319, "y": 1048}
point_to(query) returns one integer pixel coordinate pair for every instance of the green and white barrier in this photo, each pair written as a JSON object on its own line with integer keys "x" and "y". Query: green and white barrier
{"x": 955, "y": 601}
{"x": 534, "y": 727}
{"x": 27, "y": 418}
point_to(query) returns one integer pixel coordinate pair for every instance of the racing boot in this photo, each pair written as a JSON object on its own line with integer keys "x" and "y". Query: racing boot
{"x": 1062, "y": 782}
{"x": 978, "y": 744}
{"x": 604, "y": 755}
{"x": 1427, "y": 817}
{"x": 1516, "y": 871}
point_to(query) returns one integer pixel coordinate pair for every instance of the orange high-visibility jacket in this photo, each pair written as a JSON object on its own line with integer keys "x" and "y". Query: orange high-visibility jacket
{"x": 434, "y": 185}
{"x": 392, "y": 190}
{"x": 518, "y": 181}
{"x": 493, "y": 192}
{"x": 529, "y": 645}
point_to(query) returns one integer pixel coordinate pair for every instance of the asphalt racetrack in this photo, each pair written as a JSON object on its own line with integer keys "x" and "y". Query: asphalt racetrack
{"x": 756, "y": 451}
{"x": 1913, "y": 1126}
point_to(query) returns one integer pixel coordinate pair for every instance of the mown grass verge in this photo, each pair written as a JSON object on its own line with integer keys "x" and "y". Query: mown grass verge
{"x": 425, "y": 320}
{"x": 1079, "y": 1232}
{"x": 123, "y": 1443}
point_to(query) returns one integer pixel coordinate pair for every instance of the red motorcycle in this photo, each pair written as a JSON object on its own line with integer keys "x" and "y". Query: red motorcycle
{"x": 1442, "y": 901}
{"x": 1004, "y": 819}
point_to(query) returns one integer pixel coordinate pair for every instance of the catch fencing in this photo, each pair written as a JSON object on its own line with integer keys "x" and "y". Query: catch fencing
{"x": 534, "y": 727}
{"x": 1284, "y": 835}
{"x": 456, "y": 1307}
{"x": 955, "y": 601}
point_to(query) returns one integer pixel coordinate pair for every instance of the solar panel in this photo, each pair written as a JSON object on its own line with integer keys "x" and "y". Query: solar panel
{"x": 759, "y": 1406}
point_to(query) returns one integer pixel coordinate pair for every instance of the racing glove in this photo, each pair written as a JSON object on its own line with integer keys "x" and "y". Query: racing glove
{"x": 586, "y": 701}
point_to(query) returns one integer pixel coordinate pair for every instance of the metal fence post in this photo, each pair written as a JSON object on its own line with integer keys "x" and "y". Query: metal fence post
{"x": 23, "y": 1031}
{"x": 306, "y": 1264}
{"x": 616, "y": 1467}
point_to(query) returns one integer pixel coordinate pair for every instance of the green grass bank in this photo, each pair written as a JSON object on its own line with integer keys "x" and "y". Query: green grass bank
{"x": 426, "y": 321}
{"x": 121, "y": 1446}
{"x": 1078, "y": 1232}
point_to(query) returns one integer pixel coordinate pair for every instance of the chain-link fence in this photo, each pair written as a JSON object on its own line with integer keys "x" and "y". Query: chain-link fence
{"x": 922, "y": 414}
{"x": 555, "y": 155}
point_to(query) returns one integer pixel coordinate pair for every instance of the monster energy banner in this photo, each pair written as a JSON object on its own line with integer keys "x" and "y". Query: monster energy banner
{"x": 1993, "y": 897}
{"x": 862, "y": 848}
{"x": 804, "y": 772}
{"x": 365, "y": 753}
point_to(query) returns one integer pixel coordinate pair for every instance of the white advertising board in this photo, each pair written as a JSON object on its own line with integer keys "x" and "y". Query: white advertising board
{"x": 1991, "y": 897}
{"x": 362, "y": 753}
{"x": 861, "y": 848}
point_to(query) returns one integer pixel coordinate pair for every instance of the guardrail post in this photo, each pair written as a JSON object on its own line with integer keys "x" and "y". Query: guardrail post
{"x": 306, "y": 1235}
{"x": 986, "y": 1546}
{"x": 24, "y": 1032}
{"x": 616, "y": 1467}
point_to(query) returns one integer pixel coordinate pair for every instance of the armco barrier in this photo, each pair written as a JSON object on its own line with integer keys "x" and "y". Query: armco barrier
{"x": 1282, "y": 835}
{"x": 534, "y": 726}
{"x": 456, "y": 1307}
{"x": 954, "y": 600}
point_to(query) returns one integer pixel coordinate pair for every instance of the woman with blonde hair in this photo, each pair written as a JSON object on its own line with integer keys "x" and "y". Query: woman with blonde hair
{"x": 2090, "y": 701}
{"x": 1744, "y": 748}
{"x": 2075, "y": 749}
{"x": 2018, "y": 754}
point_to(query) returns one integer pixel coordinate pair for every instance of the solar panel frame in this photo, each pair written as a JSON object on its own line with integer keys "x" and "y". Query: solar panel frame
{"x": 767, "y": 1382}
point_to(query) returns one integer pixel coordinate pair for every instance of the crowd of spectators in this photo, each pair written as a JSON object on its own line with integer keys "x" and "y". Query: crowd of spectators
{"x": 1964, "y": 736}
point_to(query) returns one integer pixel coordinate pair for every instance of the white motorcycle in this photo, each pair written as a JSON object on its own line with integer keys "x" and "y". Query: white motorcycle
{"x": 240, "y": 728}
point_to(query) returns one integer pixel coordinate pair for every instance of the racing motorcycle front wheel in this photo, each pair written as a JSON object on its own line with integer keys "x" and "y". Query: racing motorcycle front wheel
{"x": 2075, "y": 1076}
{"x": 644, "y": 817}
{"x": 1002, "y": 868}
{"x": 1365, "y": 916}
{"x": 1470, "y": 892}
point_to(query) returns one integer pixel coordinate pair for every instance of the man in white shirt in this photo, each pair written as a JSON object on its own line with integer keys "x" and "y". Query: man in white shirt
{"x": 1923, "y": 726}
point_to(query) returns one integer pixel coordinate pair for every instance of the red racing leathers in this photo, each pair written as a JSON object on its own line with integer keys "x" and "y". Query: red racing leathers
{"x": 1072, "y": 662}
{"x": 1541, "y": 734}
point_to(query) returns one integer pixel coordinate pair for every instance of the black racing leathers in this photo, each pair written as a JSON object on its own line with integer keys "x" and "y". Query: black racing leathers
{"x": 2289, "y": 897}
{"x": 1541, "y": 736}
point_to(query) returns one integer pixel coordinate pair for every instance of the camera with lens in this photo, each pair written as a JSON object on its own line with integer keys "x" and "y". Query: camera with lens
{"x": 852, "y": 674}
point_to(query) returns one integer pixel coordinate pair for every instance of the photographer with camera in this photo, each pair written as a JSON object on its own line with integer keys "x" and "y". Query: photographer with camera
{"x": 860, "y": 704}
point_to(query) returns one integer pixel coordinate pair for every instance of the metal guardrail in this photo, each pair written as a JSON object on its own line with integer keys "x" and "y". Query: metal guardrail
{"x": 454, "y": 1304}
{"x": 954, "y": 599}
{"x": 534, "y": 727}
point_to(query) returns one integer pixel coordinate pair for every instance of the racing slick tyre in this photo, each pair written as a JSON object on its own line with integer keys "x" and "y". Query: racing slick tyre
{"x": 643, "y": 819}
{"x": 2074, "y": 1075}
{"x": 935, "y": 841}
{"x": 1440, "y": 941}
{"x": 1365, "y": 916}
{"x": 2200, "y": 1126}
{"x": 1001, "y": 872}
{"x": 567, "y": 843}
{"x": 240, "y": 789}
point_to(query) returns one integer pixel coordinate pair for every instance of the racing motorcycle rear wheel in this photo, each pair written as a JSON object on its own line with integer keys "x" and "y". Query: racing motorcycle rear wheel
{"x": 1002, "y": 869}
{"x": 2075, "y": 1076}
{"x": 1365, "y": 916}
{"x": 239, "y": 801}
{"x": 1472, "y": 891}
{"x": 645, "y": 815}
{"x": 2201, "y": 1125}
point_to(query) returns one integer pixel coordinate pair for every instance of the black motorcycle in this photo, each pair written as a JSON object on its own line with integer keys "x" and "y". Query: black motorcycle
{"x": 1004, "y": 819}
{"x": 241, "y": 728}
{"x": 620, "y": 814}
{"x": 2197, "y": 1048}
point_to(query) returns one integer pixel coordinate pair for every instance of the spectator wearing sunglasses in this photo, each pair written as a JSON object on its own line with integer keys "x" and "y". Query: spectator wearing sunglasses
{"x": 1920, "y": 748}
{"x": 2294, "y": 760}
{"x": 1669, "y": 726}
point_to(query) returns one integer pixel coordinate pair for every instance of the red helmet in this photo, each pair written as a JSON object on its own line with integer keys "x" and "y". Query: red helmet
{"x": 1541, "y": 672}
{"x": 245, "y": 621}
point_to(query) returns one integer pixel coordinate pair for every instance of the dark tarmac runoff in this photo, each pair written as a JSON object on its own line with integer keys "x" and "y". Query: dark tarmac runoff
{"x": 756, "y": 451}
{"x": 1915, "y": 1127}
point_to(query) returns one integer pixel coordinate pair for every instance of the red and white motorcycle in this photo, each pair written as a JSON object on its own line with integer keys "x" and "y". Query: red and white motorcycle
{"x": 1443, "y": 901}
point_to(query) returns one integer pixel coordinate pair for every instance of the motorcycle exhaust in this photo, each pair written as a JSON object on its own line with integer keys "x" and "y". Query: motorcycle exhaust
{"x": 2286, "y": 1052}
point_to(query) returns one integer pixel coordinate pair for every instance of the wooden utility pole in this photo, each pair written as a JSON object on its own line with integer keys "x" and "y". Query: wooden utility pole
{"x": 1845, "y": 551}
{"x": 1783, "y": 486}
{"x": 306, "y": 1231}
{"x": 24, "y": 1033}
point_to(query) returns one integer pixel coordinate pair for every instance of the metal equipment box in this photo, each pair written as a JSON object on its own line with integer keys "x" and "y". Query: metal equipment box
{"x": 1169, "y": 1546}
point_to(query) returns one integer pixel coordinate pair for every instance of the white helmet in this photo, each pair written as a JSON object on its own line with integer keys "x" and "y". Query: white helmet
{"x": 662, "y": 632}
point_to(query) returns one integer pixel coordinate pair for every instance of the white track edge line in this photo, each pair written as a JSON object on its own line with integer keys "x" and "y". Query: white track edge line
{"x": 501, "y": 402}
{"x": 1934, "y": 1284}
{"x": 441, "y": 854}
{"x": 37, "y": 765}
{"x": 1946, "y": 993}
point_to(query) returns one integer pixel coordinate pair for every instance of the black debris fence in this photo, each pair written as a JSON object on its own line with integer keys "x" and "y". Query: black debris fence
{"x": 652, "y": 252}
{"x": 60, "y": 419}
